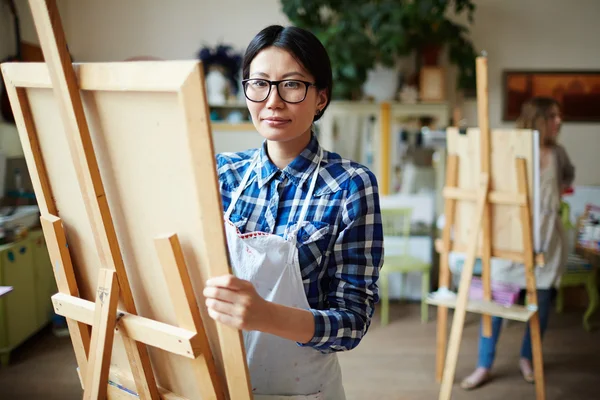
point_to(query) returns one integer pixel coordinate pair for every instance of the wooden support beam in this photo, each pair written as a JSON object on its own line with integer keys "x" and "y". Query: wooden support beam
{"x": 214, "y": 257}
{"x": 56, "y": 243}
{"x": 484, "y": 138}
{"x": 144, "y": 330}
{"x": 188, "y": 316}
{"x": 495, "y": 197}
{"x": 445, "y": 276}
{"x": 64, "y": 82}
{"x": 385, "y": 117}
{"x": 532, "y": 301}
{"x": 103, "y": 334}
{"x": 463, "y": 294}
{"x": 504, "y": 254}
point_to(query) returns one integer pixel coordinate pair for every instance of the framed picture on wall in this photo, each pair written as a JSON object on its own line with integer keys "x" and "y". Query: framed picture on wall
{"x": 432, "y": 84}
{"x": 578, "y": 92}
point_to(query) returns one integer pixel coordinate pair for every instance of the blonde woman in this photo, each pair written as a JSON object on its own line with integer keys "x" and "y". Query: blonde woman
{"x": 556, "y": 174}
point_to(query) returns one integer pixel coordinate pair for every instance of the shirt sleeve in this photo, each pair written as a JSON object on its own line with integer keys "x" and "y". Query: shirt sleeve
{"x": 353, "y": 270}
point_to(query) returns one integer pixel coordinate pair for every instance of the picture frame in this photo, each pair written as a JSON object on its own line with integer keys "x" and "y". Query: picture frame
{"x": 432, "y": 85}
{"x": 577, "y": 92}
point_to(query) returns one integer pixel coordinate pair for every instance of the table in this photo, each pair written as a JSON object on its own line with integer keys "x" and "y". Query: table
{"x": 5, "y": 290}
{"x": 590, "y": 280}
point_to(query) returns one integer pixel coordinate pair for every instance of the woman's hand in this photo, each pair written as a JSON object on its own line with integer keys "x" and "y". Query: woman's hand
{"x": 236, "y": 303}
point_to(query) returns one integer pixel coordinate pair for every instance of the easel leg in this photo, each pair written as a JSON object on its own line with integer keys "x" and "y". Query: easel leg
{"x": 463, "y": 295}
{"x": 188, "y": 316}
{"x": 486, "y": 234}
{"x": 64, "y": 275}
{"x": 486, "y": 257}
{"x": 444, "y": 279}
{"x": 65, "y": 87}
{"x": 103, "y": 333}
{"x": 532, "y": 301}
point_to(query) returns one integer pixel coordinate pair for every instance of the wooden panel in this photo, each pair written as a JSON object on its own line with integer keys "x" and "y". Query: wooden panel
{"x": 150, "y": 172}
{"x": 514, "y": 312}
{"x": 150, "y": 76}
{"x": 506, "y": 146}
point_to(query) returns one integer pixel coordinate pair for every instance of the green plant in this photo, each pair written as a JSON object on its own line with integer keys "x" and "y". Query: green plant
{"x": 357, "y": 34}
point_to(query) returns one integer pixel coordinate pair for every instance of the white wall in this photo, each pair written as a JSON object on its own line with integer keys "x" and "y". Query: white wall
{"x": 545, "y": 34}
{"x": 114, "y": 29}
{"x": 542, "y": 34}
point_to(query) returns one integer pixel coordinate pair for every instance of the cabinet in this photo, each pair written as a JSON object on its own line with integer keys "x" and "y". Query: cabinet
{"x": 45, "y": 282}
{"x": 24, "y": 265}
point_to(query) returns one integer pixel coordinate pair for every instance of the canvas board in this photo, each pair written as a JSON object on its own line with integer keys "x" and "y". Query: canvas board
{"x": 506, "y": 145}
{"x": 151, "y": 137}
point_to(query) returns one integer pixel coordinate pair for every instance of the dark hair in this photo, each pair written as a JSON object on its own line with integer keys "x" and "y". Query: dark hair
{"x": 303, "y": 46}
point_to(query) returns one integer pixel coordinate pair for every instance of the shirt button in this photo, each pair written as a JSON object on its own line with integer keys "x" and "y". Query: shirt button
{"x": 267, "y": 229}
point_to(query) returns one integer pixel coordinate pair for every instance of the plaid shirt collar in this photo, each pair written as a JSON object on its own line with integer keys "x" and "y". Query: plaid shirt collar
{"x": 298, "y": 171}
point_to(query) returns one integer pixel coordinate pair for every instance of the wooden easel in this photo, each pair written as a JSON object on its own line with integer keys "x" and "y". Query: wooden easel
{"x": 210, "y": 359}
{"x": 486, "y": 206}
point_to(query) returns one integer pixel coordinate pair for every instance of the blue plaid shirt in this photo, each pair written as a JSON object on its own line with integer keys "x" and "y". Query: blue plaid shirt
{"x": 341, "y": 247}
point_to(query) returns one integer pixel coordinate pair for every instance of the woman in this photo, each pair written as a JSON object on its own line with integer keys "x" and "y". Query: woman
{"x": 303, "y": 228}
{"x": 556, "y": 174}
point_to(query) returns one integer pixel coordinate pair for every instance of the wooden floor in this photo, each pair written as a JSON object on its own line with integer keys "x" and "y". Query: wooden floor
{"x": 391, "y": 363}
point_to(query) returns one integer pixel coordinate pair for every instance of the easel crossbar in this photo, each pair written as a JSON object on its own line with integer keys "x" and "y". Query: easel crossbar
{"x": 153, "y": 333}
{"x": 504, "y": 254}
{"x": 494, "y": 197}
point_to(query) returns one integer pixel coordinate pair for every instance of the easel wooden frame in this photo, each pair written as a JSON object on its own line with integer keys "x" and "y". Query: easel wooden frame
{"x": 485, "y": 198}
{"x": 188, "y": 338}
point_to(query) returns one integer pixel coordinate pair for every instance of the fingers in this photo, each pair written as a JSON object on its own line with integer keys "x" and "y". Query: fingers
{"x": 211, "y": 292}
{"x": 226, "y": 281}
{"x": 228, "y": 313}
{"x": 225, "y": 318}
{"x": 234, "y": 302}
{"x": 222, "y": 307}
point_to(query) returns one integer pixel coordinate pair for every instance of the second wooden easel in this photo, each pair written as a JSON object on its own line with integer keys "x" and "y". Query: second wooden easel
{"x": 488, "y": 214}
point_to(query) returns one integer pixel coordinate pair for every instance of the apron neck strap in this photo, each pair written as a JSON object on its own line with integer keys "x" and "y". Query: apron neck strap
{"x": 306, "y": 203}
{"x": 309, "y": 195}
{"x": 240, "y": 189}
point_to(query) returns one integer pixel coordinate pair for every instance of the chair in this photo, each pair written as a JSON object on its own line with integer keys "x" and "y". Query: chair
{"x": 396, "y": 224}
{"x": 579, "y": 272}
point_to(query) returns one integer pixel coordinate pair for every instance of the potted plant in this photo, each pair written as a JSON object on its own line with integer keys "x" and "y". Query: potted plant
{"x": 358, "y": 35}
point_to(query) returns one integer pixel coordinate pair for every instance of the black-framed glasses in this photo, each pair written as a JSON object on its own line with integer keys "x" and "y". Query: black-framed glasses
{"x": 289, "y": 90}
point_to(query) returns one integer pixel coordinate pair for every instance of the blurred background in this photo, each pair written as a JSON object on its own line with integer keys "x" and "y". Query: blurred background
{"x": 404, "y": 71}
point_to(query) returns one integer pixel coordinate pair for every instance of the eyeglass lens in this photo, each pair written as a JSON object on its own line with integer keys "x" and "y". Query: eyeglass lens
{"x": 290, "y": 90}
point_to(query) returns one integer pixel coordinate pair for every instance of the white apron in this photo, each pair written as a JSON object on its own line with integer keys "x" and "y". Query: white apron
{"x": 279, "y": 368}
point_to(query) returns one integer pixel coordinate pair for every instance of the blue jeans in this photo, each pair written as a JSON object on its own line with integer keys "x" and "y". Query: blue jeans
{"x": 487, "y": 346}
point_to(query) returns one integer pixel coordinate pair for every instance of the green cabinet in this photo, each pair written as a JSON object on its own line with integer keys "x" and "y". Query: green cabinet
{"x": 24, "y": 265}
{"x": 45, "y": 283}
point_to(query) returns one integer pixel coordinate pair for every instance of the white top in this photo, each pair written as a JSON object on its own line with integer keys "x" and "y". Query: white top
{"x": 552, "y": 236}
